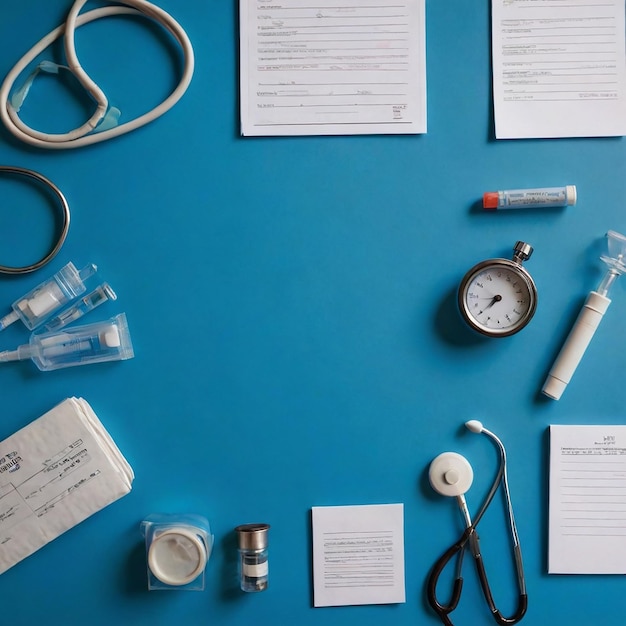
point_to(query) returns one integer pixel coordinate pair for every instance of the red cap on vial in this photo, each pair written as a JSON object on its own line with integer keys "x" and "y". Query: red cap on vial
{"x": 490, "y": 200}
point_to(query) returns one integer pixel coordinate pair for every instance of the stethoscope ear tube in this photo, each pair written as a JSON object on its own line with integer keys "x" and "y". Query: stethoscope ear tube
{"x": 522, "y": 603}
{"x": 65, "y": 219}
{"x": 458, "y": 550}
{"x": 440, "y": 473}
{"x": 84, "y": 135}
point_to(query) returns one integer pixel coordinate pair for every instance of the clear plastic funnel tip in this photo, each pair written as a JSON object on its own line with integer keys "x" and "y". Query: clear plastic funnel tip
{"x": 615, "y": 260}
{"x": 616, "y": 252}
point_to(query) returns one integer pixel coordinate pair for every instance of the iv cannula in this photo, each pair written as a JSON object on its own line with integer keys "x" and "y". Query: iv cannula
{"x": 87, "y": 303}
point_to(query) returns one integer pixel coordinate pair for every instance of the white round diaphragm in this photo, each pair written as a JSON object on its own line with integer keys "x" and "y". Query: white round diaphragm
{"x": 450, "y": 474}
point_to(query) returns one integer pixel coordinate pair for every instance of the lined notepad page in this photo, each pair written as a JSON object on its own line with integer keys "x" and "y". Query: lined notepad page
{"x": 332, "y": 67}
{"x": 587, "y": 529}
{"x": 358, "y": 554}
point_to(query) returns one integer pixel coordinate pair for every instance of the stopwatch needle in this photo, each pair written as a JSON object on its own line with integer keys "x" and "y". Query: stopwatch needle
{"x": 495, "y": 299}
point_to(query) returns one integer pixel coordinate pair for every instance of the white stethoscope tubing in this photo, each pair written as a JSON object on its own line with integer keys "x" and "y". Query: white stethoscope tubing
{"x": 509, "y": 506}
{"x": 78, "y": 137}
{"x": 505, "y": 486}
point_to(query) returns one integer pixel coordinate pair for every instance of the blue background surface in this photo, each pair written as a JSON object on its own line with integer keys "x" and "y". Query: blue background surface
{"x": 292, "y": 308}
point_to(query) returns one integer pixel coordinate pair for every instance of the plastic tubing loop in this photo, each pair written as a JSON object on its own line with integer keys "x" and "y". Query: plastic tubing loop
{"x": 65, "y": 211}
{"x": 83, "y": 135}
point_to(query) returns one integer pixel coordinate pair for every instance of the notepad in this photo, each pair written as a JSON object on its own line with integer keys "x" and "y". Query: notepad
{"x": 559, "y": 68}
{"x": 587, "y": 525}
{"x": 320, "y": 67}
{"x": 358, "y": 555}
{"x": 55, "y": 473}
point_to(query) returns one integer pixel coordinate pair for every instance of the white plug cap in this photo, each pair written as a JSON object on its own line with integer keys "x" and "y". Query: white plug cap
{"x": 554, "y": 387}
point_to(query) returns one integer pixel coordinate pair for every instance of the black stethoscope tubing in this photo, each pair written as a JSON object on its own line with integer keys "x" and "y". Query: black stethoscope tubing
{"x": 470, "y": 536}
{"x": 65, "y": 219}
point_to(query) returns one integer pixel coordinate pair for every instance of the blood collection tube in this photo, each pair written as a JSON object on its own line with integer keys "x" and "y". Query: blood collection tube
{"x": 546, "y": 197}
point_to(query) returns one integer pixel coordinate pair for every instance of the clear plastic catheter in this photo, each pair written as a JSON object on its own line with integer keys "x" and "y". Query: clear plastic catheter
{"x": 88, "y": 132}
{"x": 49, "y": 297}
{"x": 77, "y": 345}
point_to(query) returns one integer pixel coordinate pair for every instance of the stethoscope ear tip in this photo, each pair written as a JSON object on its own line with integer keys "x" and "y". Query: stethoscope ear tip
{"x": 474, "y": 426}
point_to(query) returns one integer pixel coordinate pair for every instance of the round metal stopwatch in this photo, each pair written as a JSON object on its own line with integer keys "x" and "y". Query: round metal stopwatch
{"x": 498, "y": 297}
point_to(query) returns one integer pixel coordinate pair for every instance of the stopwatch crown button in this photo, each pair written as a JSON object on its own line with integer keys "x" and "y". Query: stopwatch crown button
{"x": 522, "y": 251}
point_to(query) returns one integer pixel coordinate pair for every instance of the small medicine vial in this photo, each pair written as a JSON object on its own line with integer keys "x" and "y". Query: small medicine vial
{"x": 253, "y": 563}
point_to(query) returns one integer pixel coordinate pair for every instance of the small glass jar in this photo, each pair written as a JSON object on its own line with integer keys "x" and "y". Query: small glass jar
{"x": 253, "y": 556}
{"x": 178, "y": 548}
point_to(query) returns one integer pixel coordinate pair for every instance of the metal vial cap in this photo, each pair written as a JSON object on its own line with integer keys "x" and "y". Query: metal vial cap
{"x": 252, "y": 536}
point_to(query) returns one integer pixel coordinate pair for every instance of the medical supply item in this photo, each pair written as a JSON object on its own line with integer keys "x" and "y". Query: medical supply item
{"x": 76, "y": 345}
{"x": 498, "y": 297}
{"x": 588, "y": 320}
{"x": 543, "y": 198}
{"x": 49, "y": 297}
{"x": 87, "y": 303}
{"x": 450, "y": 474}
{"x": 54, "y": 473}
{"x": 102, "y": 124}
{"x": 178, "y": 548}
{"x": 253, "y": 556}
{"x": 65, "y": 219}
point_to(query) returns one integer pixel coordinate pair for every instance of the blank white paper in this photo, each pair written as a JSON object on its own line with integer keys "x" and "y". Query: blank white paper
{"x": 587, "y": 529}
{"x": 332, "y": 67}
{"x": 559, "y": 68}
{"x": 358, "y": 555}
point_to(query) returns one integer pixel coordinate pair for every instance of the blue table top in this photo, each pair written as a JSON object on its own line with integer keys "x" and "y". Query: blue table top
{"x": 292, "y": 305}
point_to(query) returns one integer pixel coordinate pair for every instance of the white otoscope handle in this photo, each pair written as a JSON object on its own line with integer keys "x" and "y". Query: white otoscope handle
{"x": 575, "y": 345}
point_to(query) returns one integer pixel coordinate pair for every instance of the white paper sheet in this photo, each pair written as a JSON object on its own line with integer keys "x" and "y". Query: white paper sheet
{"x": 54, "y": 473}
{"x": 587, "y": 530}
{"x": 358, "y": 555}
{"x": 559, "y": 68}
{"x": 332, "y": 67}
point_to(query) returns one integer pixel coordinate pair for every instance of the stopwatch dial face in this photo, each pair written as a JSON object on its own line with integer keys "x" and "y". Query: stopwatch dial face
{"x": 497, "y": 299}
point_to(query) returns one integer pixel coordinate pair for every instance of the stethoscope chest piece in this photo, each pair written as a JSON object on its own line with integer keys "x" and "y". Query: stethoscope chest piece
{"x": 450, "y": 474}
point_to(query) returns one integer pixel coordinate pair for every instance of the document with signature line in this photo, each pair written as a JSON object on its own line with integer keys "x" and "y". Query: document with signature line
{"x": 587, "y": 528}
{"x": 559, "y": 68}
{"x": 332, "y": 67}
{"x": 358, "y": 554}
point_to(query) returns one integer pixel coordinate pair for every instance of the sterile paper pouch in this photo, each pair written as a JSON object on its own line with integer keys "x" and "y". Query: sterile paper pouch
{"x": 55, "y": 473}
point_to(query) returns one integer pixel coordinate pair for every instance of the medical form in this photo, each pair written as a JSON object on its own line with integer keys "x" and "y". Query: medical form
{"x": 559, "y": 68}
{"x": 313, "y": 67}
